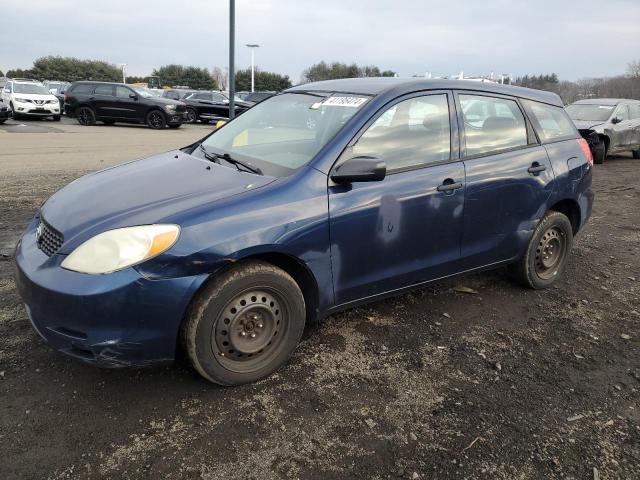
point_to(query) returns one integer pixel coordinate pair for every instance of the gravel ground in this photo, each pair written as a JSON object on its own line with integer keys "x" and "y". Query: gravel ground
{"x": 503, "y": 383}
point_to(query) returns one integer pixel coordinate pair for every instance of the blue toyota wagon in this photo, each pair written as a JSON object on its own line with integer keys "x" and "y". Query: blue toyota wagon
{"x": 326, "y": 196}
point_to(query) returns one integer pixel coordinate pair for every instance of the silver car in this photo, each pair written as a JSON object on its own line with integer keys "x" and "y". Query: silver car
{"x": 610, "y": 125}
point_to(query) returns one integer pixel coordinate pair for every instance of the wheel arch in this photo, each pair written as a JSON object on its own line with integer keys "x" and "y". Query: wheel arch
{"x": 571, "y": 209}
{"x": 606, "y": 140}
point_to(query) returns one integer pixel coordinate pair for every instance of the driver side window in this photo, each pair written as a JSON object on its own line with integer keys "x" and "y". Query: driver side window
{"x": 623, "y": 113}
{"x": 412, "y": 133}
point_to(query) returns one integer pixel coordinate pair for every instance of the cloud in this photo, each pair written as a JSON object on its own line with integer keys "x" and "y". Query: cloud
{"x": 570, "y": 37}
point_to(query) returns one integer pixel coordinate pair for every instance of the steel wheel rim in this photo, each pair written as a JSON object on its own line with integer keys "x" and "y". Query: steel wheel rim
{"x": 550, "y": 252}
{"x": 155, "y": 120}
{"x": 249, "y": 331}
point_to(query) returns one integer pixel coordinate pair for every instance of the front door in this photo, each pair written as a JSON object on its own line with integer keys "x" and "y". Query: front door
{"x": 127, "y": 107}
{"x": 508, "y": 179}
{"x": 405, "y": 229}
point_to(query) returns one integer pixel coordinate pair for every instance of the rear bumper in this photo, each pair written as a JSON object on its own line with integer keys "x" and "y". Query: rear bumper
{"x": 115, "y": 320}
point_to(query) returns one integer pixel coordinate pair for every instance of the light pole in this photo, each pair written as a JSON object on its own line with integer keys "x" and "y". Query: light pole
{"x": 232, "y": 46}
{"x": 253, "y": 47}
{"x": 124, "y": 79}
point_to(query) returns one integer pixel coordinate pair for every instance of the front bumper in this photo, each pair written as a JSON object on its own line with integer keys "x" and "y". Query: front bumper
{"x": 44, "y": 110}
{"x": 176, "y": 118}
{"x": 115, "y": 320}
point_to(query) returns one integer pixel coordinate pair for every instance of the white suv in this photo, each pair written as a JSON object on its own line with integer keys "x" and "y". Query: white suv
{"x": 30, "y": 98}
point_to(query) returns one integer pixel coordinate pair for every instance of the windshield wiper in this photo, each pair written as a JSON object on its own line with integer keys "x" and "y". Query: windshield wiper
{"x": 228, "y": 158}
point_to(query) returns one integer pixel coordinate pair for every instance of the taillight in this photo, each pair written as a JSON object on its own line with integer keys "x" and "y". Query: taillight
{"x": 586, "y": 150}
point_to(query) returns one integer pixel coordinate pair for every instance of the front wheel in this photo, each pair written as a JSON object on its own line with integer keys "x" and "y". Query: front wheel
{"x": 547, "y": 252}
{"x": 599, "y": 153}
{"x": 86, "y": 116}
{"x": 636, "y": 153}
{"x": 244, "y": 325}
{"x": 191, "y": 115}
{"x": 156, "y": 120}
{"x": 56, "y": 118}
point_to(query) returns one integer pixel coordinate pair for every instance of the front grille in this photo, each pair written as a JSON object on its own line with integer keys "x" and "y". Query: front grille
{"x": 48, "y": 239}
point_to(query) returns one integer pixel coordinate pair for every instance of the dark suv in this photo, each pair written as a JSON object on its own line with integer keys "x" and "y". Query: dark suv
{"x": 117, "y": 102}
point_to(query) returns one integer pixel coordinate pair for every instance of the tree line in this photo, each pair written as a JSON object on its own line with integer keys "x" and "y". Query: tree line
{"x": 619, "y": 86}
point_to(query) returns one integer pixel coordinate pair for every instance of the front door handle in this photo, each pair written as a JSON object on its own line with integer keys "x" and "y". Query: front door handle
{"x": 536, "y": 168}
{"x": 449, "y": 186}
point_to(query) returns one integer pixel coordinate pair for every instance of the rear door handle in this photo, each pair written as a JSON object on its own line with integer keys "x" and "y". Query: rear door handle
{"x": 536, "y": 168}
{"x": 449, "y": 186}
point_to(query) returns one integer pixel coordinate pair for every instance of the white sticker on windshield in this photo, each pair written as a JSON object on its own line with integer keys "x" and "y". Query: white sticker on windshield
{"x": 607, "y": 107}
{"x": 353, "y": 102}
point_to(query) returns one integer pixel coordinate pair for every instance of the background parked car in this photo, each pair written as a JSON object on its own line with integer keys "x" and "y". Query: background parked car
{"x": 207, "y": 106}
{"x": 30, "y": 98}
{"x": 610, "y": 125}
{"x": 117, "y": 102}
{"x": 177, "y": 93}
{"x": 57, "y": 88}
{"x": 5, "y": 112}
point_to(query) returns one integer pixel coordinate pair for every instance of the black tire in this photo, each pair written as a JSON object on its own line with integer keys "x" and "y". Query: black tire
{"x": 108, "y": 122}
{"x": 56, "y": 118}
{"x": 2, "y": 120}
{"x": 156, "y": 120}
{"x": 14, "y": 114}
{"x": 245, "y": 324}
{"x": 636, "y": 153}
{"x": 547, "y": 252}
{"x": 599, "y": 153}
{"x": 175, "y": 125}
{"x": 86, "y": 116}
{"x": 191, "y": 115}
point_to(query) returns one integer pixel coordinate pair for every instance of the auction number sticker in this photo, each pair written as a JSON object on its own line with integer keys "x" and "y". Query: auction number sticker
{"x": 339, "y": 101}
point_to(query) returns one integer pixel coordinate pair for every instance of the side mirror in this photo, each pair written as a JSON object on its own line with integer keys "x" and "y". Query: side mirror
{"x": 360, "y": 169}
{"x": 615, "y": 120}
{"x": 133, "y": 96}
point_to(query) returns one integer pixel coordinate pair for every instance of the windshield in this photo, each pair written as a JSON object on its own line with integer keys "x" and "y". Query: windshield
{"x": 30, "y": 88}
{"x": 598, "y": 113}
{"x": 143, "y": 92}
{"x": 285, "y": 132}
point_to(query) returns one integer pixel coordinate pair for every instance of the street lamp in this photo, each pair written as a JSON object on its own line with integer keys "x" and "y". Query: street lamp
{"x": 124, "y": 79}
{"x": 253, "y": 47}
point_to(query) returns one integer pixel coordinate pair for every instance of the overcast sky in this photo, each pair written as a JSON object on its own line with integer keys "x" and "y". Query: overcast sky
{"x": 574, "y": 38}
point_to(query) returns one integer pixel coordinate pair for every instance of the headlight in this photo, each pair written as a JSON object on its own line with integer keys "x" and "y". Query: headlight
{"x": 52, "y": 101}
{"x": 117, "y": 249}
{"x": 22, "y": 100}
{"x": 170, "y": 108}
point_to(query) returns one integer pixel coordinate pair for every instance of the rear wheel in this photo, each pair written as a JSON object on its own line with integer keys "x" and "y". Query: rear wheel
{"x": 156, "y": 120}
{"x": 547, "y": 253}
{"x": 599, "y": 153}
{"x": 245, "y": 324}
{"x": 86, "y": 116}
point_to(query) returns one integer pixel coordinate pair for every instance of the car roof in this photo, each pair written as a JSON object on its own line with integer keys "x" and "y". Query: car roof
{"x": 383, "y": 85}
{"x": 602, "y": 101}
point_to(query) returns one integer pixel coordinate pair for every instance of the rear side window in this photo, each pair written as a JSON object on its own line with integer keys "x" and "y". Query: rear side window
{"x": 551, "y": 123}
{"x": 492, "y": 124}
{"x": 412, "y": 133}
{"x": 634, "y": 108}
{"x": 82, "y": 88}
{"x": 104, "y": 90}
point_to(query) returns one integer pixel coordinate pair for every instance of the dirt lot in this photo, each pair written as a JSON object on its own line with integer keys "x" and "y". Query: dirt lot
{"x": 505, "y": 383}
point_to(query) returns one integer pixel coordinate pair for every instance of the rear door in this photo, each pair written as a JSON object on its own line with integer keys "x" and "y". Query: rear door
{"x": 508, "y": 178}
{"x": 405, "y": 229}
{"x": 103, "y": 101}
{"x": 634, "y": 110}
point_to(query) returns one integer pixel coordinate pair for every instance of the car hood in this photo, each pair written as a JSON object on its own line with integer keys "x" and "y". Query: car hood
{"x": 586, "y": 124}
{"x": 141, "y": 192}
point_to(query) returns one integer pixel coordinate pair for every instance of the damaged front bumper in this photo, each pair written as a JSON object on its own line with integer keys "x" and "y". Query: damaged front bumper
{"x": 115, "y": 320}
